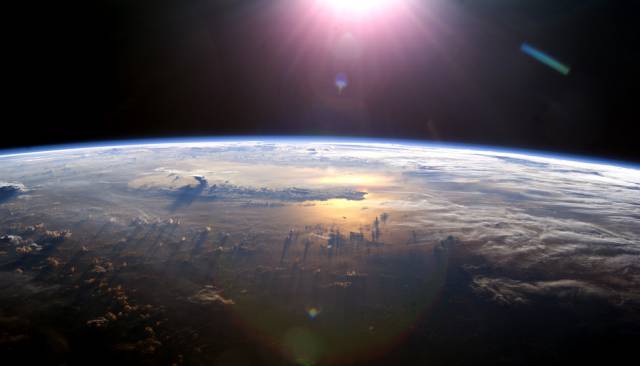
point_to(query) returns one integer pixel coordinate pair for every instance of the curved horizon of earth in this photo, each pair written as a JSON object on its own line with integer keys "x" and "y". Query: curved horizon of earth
{"x": 316, "y": 251}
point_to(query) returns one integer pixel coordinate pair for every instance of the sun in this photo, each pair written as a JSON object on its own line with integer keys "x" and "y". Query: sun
{"x": 358, "y": 7}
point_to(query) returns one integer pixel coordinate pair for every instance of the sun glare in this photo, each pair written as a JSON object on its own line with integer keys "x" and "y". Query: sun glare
{"x": 355, "y": 180}
{"x": 358, "y": 7}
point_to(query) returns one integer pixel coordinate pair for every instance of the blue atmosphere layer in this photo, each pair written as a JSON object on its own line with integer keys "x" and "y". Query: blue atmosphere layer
{"x": 303, "y": 139}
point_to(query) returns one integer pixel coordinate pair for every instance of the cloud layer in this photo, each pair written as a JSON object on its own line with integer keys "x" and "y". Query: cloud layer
{"x": 550, "y": 218}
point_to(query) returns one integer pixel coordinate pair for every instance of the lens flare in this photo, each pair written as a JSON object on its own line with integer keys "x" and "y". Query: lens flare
{"x": 313, "y": 313}
{"x": 341, "y": 82}
{"x": 545, "y": 59}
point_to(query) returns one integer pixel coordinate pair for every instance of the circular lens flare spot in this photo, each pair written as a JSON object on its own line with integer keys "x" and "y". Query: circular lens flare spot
{"x": 313, "y": 313}
{"x": 341, "y": 82}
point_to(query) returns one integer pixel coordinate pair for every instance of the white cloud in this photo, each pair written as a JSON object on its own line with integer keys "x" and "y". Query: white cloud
{"x": 210, "y": 296}
{"x": 509, "y": 291}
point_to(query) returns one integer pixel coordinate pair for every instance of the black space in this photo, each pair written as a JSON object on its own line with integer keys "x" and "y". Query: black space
{"x": 117, "y": 69}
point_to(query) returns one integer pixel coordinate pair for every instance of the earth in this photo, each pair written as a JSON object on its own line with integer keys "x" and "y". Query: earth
{"x": 314, "y": 252}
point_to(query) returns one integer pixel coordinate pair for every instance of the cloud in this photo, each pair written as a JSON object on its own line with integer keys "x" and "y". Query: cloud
{"x": 12, "y": 187}
{"x": 26, "y": 249}
{"x": 12, "y": 239}
{"x": 99, "y": 322}
{"x": 186, "y": 195}
{"x": 10, "y": 190}
{"x": 520, "y": 213}
{"x": 209, "y": 295}
{"x": 57, "y": 235}
{"x": 509, "y": 291}
{"x": 23, "y": 246}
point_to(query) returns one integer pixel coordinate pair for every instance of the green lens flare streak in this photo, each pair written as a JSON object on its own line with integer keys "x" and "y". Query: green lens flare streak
{"x": 545, "y": 59}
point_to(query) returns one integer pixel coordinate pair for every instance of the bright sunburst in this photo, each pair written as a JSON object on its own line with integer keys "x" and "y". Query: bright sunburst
{"x": 358, "y": 7}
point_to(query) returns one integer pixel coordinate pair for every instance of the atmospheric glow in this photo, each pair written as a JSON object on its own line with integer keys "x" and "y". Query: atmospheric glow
{"x": 358, "y": 7}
